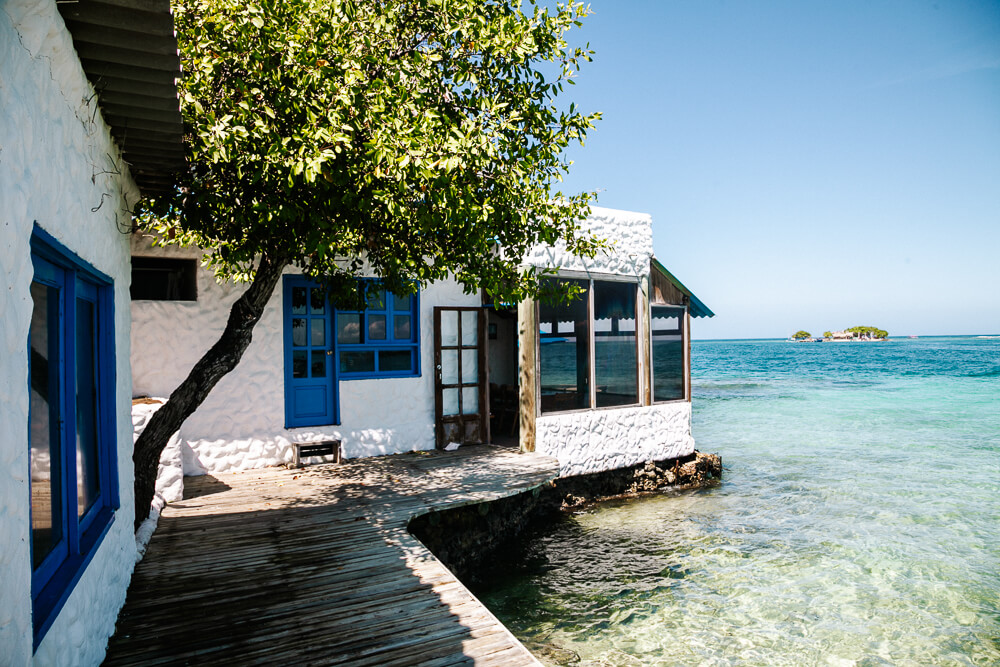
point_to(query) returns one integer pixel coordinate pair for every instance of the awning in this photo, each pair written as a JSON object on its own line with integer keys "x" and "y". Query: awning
{"x": 672, "y": 291}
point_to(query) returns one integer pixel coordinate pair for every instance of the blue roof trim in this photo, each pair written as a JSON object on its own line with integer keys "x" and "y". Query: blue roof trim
{"x": 695, "y": 307}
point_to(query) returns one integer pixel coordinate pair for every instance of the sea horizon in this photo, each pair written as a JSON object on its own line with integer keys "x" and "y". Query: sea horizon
{"x": 890, "y": 338}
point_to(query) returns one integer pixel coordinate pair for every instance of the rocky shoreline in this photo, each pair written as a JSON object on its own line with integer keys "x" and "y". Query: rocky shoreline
{"x": 466, "y": 537}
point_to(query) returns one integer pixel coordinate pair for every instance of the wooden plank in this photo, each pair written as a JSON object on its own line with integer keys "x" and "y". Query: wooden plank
{"x": 319, "y": 568}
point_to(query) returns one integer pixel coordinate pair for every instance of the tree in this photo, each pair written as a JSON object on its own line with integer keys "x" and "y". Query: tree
{"x": 407, "y": 139}
{"x": 801, "y": 335}
{"x": 871, "y": 332}
{"x": 827, "y": 334}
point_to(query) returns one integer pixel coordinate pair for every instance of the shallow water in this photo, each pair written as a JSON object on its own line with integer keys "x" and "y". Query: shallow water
{"x": 858, "y": 522}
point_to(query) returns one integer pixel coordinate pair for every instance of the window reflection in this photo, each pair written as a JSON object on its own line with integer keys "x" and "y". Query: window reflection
{"x": 46, "y": 483}
{"x": 564, "y": 354}
{"x": 667, "y": 353}
{"x": 616, "y": 370}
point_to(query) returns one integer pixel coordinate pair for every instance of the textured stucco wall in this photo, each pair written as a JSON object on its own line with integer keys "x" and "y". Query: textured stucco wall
{"x": 54, "y": 168}
{"x": 596, "y": 440}
{"x": 629, "y": 234}
{"x": 241, "y": 424}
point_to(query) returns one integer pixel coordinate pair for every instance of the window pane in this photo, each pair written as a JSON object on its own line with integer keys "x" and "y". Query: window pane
{"x": 300, "y": 364}
{"x": 470, "y": 366}
{"x": 376, "y": 300}
{"x": 449, "y": 402}
{"x": 357, "y": 362}
{"x": 401, "y": 327}
{"x": 470, "y": 327}
{"x": 46, "y": 522}
{"x": 87, "y": 483}
{"x": 318, "y": 363}
{"x": 402, "y": 303}
{"x": 298, "y": 331}
{"x": 298, "y": 301}
{"x": 317, "y": 301}
{"x": 318, "y": 326}
{"x": 449, "y": 327}
{"x": 376, "y": 327}
{"x": 564, "y": 353}
{"x": 616, "y": 371}
{"x": 348, "y": 328}
{"x": 164, "y": 279}
{"x": 449, "y": 366}
{"x": 395, "y": 360}
{"x": 470, "y": 400}
{"x": 667, "y": 353}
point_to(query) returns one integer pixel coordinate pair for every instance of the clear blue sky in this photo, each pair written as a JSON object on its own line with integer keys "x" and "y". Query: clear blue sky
{"x": 808, "y": 165}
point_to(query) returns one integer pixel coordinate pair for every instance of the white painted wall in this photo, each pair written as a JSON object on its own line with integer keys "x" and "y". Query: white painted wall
{"x": 54, "y": 170}
{"x": 630, "y": 236}
{"x": 241, "y": 423}
{"x": 596, "y": 440}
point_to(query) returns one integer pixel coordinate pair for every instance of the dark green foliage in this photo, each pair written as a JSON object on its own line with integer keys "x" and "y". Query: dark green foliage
{"x": 418, "y": 136}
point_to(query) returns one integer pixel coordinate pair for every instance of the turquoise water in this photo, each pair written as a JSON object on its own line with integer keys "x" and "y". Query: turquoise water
{"x": 858, "y": 522}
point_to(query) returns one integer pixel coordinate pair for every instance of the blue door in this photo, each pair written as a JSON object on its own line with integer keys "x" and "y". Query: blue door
{"x": 310, "y": 374}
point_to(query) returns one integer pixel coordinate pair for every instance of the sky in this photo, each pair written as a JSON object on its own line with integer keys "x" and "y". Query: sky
{"x": 807, "y": 165}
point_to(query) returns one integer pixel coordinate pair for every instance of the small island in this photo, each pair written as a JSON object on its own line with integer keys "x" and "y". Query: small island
{"x": 859, "y": 333}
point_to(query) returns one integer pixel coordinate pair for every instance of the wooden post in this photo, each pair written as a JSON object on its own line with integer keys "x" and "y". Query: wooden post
{"x": 687, "y": 361}
{"x": 644, "y": 333}
{"x": 527, "y": 361}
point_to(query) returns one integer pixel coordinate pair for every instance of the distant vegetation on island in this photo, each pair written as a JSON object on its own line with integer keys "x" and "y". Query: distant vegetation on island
{"x": 853, "y": 333}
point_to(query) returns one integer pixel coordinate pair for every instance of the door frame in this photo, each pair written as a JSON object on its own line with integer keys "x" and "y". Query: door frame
{"x": 482, "y": 343}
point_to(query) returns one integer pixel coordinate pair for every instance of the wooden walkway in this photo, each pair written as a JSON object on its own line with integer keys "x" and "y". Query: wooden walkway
{"x": 316, "y": 567}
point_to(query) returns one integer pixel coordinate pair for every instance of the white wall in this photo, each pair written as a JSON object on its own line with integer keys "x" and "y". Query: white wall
{"x": 596, "y": 440}
{"x": 241, "y": 423}
{"x": 53, "y": 170}
{"x": 629, "y": 234}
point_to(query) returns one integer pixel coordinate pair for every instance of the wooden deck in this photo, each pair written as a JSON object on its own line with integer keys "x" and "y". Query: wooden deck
{"x": 316, "y": 567}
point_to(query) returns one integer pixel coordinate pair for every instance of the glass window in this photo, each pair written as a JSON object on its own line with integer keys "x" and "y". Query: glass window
{"x": 72, "y": 450}
{"x": 401, "y": 327}
{"x": 349, "y": 328}
{"x": 88, "y": 482}
{"x": 564, "y": 352}
{"x": 164, "y": 279}
{"x": 45, "y": 407}
{"x": 357, "y": 361}
{"x": 667, "y": 329}
{"x": 616, "y": 370}
{"x": 395, "y": 360}
{"x": 380, "y": 341}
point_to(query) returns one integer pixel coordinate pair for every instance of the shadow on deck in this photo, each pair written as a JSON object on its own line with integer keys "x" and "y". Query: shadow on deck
{"x": 316, "y": 567}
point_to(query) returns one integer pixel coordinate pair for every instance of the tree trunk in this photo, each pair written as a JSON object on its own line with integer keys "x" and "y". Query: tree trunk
{"x": 212, "y": 367}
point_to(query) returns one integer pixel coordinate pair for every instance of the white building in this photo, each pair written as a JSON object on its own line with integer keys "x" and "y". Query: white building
{"x": 72, "y": 164}
{"x": 602, "y": 383}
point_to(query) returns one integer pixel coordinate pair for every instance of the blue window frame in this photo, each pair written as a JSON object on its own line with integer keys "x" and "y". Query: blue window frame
{"x": 381, "y": 341}
{"x": 71, "y": 422}
{"x": 323, "y": 345}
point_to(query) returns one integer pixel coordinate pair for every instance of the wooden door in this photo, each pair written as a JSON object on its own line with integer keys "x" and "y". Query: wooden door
{"x": 460, "y": 376}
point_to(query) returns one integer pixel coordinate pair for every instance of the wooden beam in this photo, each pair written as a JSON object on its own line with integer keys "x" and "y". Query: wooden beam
{"x": 687, "y": 359}
{"x": 527, "y": 362}
{"x": 644, "y": 334}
